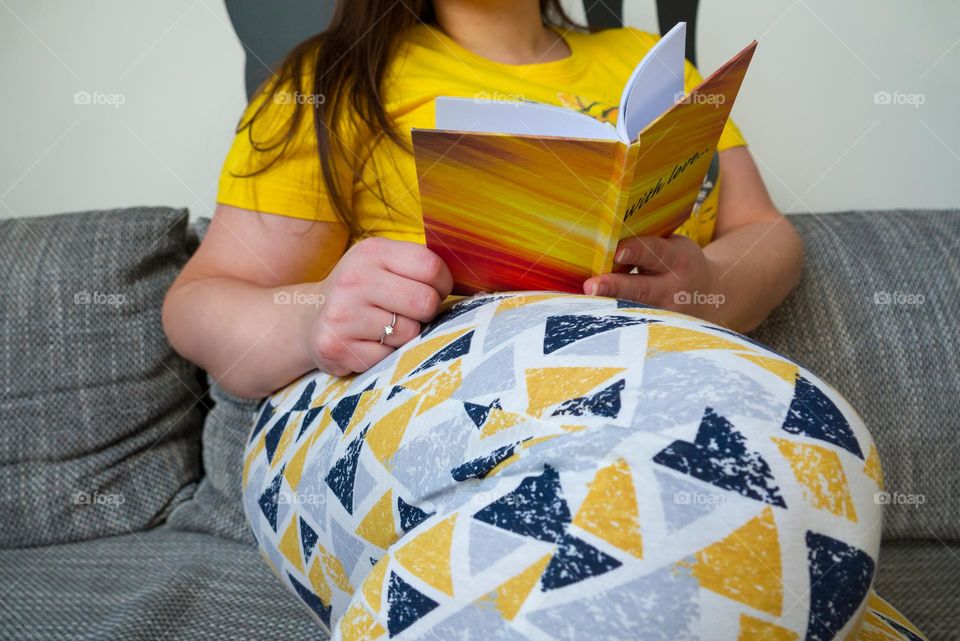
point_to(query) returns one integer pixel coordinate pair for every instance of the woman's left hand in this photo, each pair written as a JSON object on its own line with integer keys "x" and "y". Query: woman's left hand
{"x": 674, "y": 273}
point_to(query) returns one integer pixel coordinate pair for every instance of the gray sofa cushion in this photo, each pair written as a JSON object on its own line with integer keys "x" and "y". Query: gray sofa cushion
{"x": 217, "y": 506}
{"x": 99, "y": 424}
{"x": 920, "y": 579}
{"x": 858, "y": 321}
{"x": 159, "y": 584}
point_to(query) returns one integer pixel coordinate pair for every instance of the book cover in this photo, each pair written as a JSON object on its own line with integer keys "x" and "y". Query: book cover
{"x": 510, "y": 211}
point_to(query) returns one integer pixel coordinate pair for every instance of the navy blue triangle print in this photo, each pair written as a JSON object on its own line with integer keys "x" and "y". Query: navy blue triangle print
{"x": 479, "y": 413}
{"x": 343, "y": 411}
{"x": 303, "y": 403}
{"x": 479, "y": 467}
{"x": 840, "y": 577}
{"x": 907, "y": 634}
{"x": 308, "y": 419}
{"x": 268, "y": 501}
{"x": 537, "y": 508}
{"x": 265, "y": 415}
{"x": 406, "y": 605}
{"x": 631, "y": 304}
{"x": 341, "y": 477}
{"x": 410, "y": 515}
{"x": 719, "y": 456}
{"x": 730, "y": 332}
{"x": 312, "y": 600}
{"x": 456, "y": 349}
{"x": 459, "y": 309}
{"x": 605, "y": 403}
{"x": 308, "y": 539}
{"x": 272, "y": 439}
{"x": 812, "y": 414}
{"x": 574, "y": 561}
{"x": 563, "y": 330}
{"x": 395, "y": 390}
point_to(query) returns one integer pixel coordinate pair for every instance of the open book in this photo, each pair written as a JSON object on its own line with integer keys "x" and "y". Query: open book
{"x": 528, "y": 196}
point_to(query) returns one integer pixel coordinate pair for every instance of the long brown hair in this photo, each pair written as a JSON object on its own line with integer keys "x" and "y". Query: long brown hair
{"x": 349, "y": 61}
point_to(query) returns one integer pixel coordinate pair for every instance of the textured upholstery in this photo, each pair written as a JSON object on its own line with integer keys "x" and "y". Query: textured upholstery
{"x": 920, "y": 579}
{"x": 148, "y": 585}
{"x": 99, "y": 429}
{"x": 898, "y": 363}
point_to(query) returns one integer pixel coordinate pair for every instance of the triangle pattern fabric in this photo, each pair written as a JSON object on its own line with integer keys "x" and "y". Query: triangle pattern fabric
{"x": 347, "y": 548}
{"x": 684, "y": 502}
{"x": 406, "y": 605}
{"x": 308, "y": 539}
{"x": 840, "y": 577}
{"x": 427, "y": 555}
{"x": 605, "y": 403}
{"x": 410, "y": 515}
{"x": 479, "y": 467}
{"x": 609, "y": 510}
{"x": 341, "y": 476}
{"x": 312, "y": 600}
{"x": 269, "y": 500}
{"x": 274, "y": 434}
{"x": 745, "y": 566}
{"x": 456, "y": 349}
{"x": 719, "y": 456}
{"x": 536, "y": 509}
{"x": 303, "y": 403}
{"x": 563, "y": 330}
{"x": 487, "y": 545}
{"x": 814, "y": 415}
{"x": 265, "y": 415}
{"x": 495, "y": 374}
{"x": 604, "y": 344}
{"x": 575, "y": 560}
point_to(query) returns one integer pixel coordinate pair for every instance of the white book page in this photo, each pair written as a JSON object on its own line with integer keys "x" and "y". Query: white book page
{"x": 655, "y": 84}
{"x": 518, "y": 117}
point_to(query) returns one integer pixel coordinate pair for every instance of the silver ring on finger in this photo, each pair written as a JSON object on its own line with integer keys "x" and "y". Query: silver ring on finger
{"x": 388, "y": 329}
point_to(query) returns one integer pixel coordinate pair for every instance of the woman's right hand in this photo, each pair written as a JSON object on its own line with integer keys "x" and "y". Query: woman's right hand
{"x": 375, "y": 278}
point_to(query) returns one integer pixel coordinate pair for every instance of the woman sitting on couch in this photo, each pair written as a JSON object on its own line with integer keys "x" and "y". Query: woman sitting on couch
{"x": 617, "y": 464}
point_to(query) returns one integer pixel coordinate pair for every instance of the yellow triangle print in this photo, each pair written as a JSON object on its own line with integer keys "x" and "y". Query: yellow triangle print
{"x": 252, "y": 456}
{"x": 377, "y": 526}
{"x": 777, "y": 366}
{"x": 756, "y": 630}
{"x": 373, "y": 585}
{"x": 289, "y": 545}
{"x": 668, "y": 338}
{"x": 499, "y": 420}
{"x": 610, "y": 512}
{"x": 441, "y": 387}
{"x": 510, "y": 596}
{"x": 364, "y": 403}
{"x": 285, "y": 439}
{"x": 428, "y": 555}
{"x": 879, "y": 604}
{"x": 745, "y": 566}
{"x": 294, "y": 468}
{"x": 334, "y": 569}
{"x": 319, "y": 582}
{"x": 548, "y": 386}
{"x": 872, "y": 467}
{"x": 385, "y": 436}
{"x": 335, "y": 386}
{"x": 820, "y": 473}
{"x": 419, "y": 353}
{"x": 515, "y": 302}
{"x": 358, "y": 625}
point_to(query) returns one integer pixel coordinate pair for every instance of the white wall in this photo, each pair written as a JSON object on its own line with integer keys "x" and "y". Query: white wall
{"x": 175, "y": 64}
{"x": 807, "y": 107}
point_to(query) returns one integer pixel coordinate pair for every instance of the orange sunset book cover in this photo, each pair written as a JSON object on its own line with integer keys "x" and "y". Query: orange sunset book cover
{"x": 527, "y": 212}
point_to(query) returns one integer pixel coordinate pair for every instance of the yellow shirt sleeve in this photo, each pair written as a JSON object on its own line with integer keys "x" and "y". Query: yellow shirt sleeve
{"x": 731, "y": 136}
{"x": 258, "y": 177}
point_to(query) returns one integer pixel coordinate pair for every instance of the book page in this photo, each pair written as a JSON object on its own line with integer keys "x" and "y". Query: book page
{"x": 518, "y": 118}
{"x": 655, "y": 84}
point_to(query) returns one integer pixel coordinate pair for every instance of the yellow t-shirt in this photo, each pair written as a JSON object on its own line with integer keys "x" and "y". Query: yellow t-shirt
{"x": 428, "y": 64}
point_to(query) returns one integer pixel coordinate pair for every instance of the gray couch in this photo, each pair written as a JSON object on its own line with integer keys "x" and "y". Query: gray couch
{"x": 120, "y": 511}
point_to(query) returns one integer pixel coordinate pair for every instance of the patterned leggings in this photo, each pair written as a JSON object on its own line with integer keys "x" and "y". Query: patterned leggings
{"x": 549, "y": 466}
